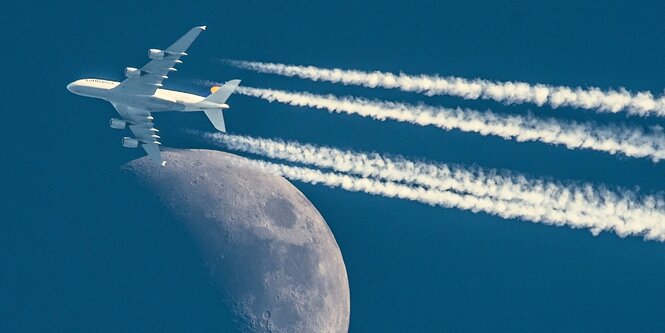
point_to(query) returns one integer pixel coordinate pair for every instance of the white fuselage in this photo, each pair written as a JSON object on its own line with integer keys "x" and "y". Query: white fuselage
{"x": 162, "y": 100}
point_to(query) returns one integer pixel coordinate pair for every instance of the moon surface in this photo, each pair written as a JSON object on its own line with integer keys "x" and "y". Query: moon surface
{"x": 263, "y": 241}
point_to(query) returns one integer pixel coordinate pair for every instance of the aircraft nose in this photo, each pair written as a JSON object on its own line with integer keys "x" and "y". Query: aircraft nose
{"x": 71, "y": 86}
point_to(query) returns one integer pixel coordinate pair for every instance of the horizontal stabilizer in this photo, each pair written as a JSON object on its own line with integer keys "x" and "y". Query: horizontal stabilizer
{"x": 217, "y": 119}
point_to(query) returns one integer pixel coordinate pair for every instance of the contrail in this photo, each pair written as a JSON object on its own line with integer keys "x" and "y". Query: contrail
{"x": 504, "y": 209}
{"x": 641, "y": 103}
{"x": 632, "y": 142}
{"x": 553, "y": 202}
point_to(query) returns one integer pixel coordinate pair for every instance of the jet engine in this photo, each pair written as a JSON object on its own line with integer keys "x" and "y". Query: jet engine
{"x": 132, "y": 72}
{"x": 117, "y": 123}
{"x": 156, "y": 54}
{"x": 130, "y": 142}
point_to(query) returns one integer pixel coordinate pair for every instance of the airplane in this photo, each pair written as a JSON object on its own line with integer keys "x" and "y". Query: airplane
{"x": 141, "y": 93}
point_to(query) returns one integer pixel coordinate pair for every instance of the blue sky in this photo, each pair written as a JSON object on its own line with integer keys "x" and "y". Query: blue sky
{"x": 84, "y": 249}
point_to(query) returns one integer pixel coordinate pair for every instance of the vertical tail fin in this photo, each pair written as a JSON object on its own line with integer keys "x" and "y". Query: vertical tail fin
{"x": 221, "y": 94}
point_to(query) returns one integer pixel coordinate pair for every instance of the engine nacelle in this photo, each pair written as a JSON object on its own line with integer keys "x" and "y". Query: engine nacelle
{"x": 132, "y": 72}
{"x": 156, "y": 54}
{"x": 117, "y": 123}
{"x": 130, "y": 142}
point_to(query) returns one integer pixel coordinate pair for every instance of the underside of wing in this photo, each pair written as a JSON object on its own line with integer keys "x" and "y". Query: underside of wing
{"x": 145, "y": 133}
{"x": 152, "y": 149}
{"x": 149, "y": 78}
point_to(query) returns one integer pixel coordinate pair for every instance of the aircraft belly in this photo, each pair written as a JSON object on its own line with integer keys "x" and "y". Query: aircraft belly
{"x": 149, "y": 103}
{"x": 160, "y": 104}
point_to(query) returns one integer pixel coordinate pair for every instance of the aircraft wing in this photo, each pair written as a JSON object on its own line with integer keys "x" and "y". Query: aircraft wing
{"x": 144, "y": 130}
{"x": 152, "y": 74}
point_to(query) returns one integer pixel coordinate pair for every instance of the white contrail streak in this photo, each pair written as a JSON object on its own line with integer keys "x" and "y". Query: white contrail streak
{"x": 632, "y": 142}
{"x": 641, "y": 103}
{"x": 504, "y": 209}
{"x": 573, "y": 199}
{"x": 579, "y": 204}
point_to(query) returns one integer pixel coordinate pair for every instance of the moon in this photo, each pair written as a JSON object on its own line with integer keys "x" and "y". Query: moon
{"x": 264, "y": 243}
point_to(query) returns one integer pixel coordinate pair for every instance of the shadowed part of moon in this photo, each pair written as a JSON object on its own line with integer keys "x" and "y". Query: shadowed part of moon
{"x": 265, "y": 244}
